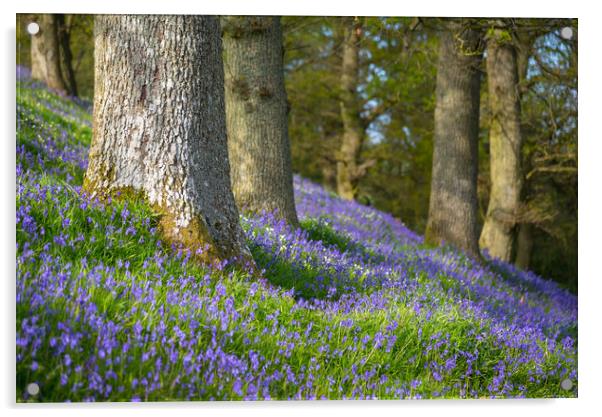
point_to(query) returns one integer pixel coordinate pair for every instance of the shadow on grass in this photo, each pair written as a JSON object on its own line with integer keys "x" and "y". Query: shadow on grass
{"x": 319, "y": 230}
{"x": 308, "y": 280}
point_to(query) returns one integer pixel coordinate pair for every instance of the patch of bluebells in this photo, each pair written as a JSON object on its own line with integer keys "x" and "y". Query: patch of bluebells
{"x": 106, "y": 311}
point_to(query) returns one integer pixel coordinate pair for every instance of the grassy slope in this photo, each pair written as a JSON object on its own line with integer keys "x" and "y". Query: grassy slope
{"x": 353, "y": 306}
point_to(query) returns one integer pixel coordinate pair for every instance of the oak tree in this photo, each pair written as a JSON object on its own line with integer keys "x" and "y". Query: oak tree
{"x": 452, "y": 214}
{"x": 256, "y": 115}
{"x": 160, "y": 128}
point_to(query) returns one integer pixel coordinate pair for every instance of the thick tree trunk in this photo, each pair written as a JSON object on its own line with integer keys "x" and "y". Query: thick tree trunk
{"x": 160, "y": 129}
{"x": 499, "y": 230}
{"x": 524, "y": 246}
{"x": 64, "y": 37}
{"x": 453, "y": 201}
{"x": 348, "y": 171}
{"x": 45, "y": 53}
{"x": 256, "y": 115}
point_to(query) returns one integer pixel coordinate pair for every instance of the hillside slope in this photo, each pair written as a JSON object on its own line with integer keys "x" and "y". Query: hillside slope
{"x": 353, "y": 305}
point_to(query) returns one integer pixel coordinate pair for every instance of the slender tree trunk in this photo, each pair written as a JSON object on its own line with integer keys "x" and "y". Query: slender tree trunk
{"x": 524, "y": 241}
{"x": 45, "y": 53}
{"x": 353, "y": 133}
{"x": 256, "y": 115}
{"x": 523, "y": 54}
{"x": 524, "y": 246}
{"x": 505, "y": 140}
{"x": 453, "y": 201}
{"x": 329, "y": 176}
{"x": 64, "y": 37}
{"x": 160, "y": 129}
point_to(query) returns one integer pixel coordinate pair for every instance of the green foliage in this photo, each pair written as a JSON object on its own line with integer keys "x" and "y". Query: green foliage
{"x": 397, "y": 84}
{"x": 502, "y": 36}
{"x": 312, "y": 61}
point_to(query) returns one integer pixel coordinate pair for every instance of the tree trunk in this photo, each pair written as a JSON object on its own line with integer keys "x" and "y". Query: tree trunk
{"x": 524, "y": 242}
{"x": 45, "y": 54}
{"x": 329, "y": 176}
{"x": 524, "y": 246}
{"x": 524, "y": 49}
{"x": 160, "y": 129}
{"x": 453, "y": 201}
{"x": 353, "y": 134}
{"x": 499, "y": 230}
{"x": 256, "y": 115}
{"x": 64, "y": 37}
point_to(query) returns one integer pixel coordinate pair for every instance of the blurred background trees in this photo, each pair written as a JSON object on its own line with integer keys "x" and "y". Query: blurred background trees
{"x": 396, "y": 82}
{"x": 75, "y": 42}
{"x": 46, "y": 52}
{"x": 392, "y": 98}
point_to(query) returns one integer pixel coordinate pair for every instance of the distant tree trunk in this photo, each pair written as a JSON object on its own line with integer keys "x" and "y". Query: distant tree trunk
{"x": 353, "y": 133}
{"x": 524, "y": 242}
{"x": 329, "y": 176}
{"x": 256, "y": 115}
{"x": 524, "y": 246}
{"x": 505, "y": 140}
{"x": 64, "y": 37}
{"x": 160, "y": 128}
{"x": 45, "y": 53}
{"x": 453, "y": 201}
{"x": 524, "y": 49}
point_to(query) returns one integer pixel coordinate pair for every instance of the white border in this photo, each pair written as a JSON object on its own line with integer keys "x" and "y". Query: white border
{"x": 589, "y": 212}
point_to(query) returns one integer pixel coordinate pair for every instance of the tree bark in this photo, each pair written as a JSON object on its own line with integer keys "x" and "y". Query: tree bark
{"x": 256, "y": 115}
{"x": 505, "y": 140}
{"x": 64, "y": 38}
{"x": 453, "y": 201}
{"x": 524, "y": 246}
{"x": 524, "y": 241}
{"x": 524, "y": 49}
{"x": 160, "y": 129}
{"x": 45, "y": 53}
{"x": 353, "y": 134}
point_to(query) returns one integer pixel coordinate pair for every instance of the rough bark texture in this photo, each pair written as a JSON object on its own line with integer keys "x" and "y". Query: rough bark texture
{"x": 453, "y": 201}
{"x": 499, "y": 230}
{"x": 256, "y": 115}
{"x": 348, "y": 170}
{"x": 64, "y": 38}
{"x": 160, "y": 129}
{"x": 45, "y": 53}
